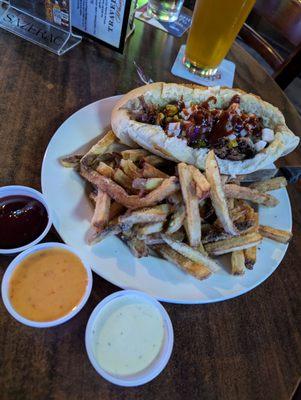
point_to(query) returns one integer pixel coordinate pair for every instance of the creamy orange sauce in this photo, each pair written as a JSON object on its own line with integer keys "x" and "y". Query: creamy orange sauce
{"x": 48, "y": 284}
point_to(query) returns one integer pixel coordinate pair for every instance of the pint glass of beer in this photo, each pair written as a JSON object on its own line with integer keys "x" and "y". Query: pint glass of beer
{"x": 215, "y": 24}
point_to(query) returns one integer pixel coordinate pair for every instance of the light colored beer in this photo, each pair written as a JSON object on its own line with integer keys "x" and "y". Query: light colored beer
{"x": 215, "y": 24}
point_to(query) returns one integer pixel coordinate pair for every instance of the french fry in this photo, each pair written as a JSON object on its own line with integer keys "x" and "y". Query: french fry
{"x": 245, "y": 193}
{"x": 249, "y": 224}
{"x": 224, "y": 179}
{"x": 237, "y": 262}
{"x": 270, "y": 184}
{"x": 146, "y": 183}
{"x": 92, "y": 196}
{"x": 115, "y": 210}
{"x": 179, "y": 235}
{"x": 137, "y": 247}
{"x": 211, "y": 205}
{"x": 201, "y": 249}
{"x": 230, "y": 203}
{"x": 175, "y": 198}
{"x": 191, "y": 205}
{"x": 94, "y": 236}
{"x": 198, "y": 270}
{"x": 154, "y": 160}
{"x": 202, "y": 185}
{"x": 104, "y": 169}
{"x": 148, "y": 229}
{"x": 102, "y": 210}
{"x": 122, "y": 179}
{"x": 134, "y": 154}
{"x": 191, "y": 253}
{"x": 99, "y": 148}
{"x": 214, "y": 235}
{"x": 278, "y": 235}
{"x": 130, "y": 169}
{"x": 117, "y": 193}
{"x": 176, "y": 220}
{"x": 154, "y": 238}
{"x": 149, "y": 171}
{"x": 71, "y": 161}
{"x": 217, "y": 194}
{"x": 144, "y": 215}
{"x": 234, "y": 179}
{"x": 250, "y": 257}
{"x": 234, "y": 243}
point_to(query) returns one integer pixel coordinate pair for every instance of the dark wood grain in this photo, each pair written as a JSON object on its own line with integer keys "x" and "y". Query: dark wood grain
{"x": 245, "y": 348}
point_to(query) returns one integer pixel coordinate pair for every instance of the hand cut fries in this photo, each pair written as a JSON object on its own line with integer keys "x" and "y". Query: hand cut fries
{"x": 144, "y": 215}
{"x": 71, "y": 161}
{"x": 137, "y": 247}
{"x": 146, "y": 183}
{"x": 176, "y": 220}
{"x": 130, "y": 169}
{"x": 196, "y": 269}
{"x": 102, "y": 210}
{"x": 190, "y": 253}
{"x": 245, "y": 193}
{"x": 150, "y": 228}
{"x": 122, "y": 179}
{"x": 217, "y": 194}
{"x": 134, "y": 154}
{"x": 250, "y": 257}
{"x": 184, "y": 215}
{"x": 270, "y": 184}
{"x": 99, "y": 148}
{"x": 149, "y": 171}
{"x": 235, "y": 243}
{"x": 202, "y": 185}
{"x": 193, "y": 226}
{"x": 275, "y": 234}
{"x": 168, "y": 187}
{"x": 238, "y": 262}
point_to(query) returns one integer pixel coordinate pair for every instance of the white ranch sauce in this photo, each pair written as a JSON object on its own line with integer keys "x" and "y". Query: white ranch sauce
{"x": 127, "y": 335}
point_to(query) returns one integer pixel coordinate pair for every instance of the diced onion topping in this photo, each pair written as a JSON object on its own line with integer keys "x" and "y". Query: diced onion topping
{"x": 268, "y": 135}
{"x": 260, "y": 145}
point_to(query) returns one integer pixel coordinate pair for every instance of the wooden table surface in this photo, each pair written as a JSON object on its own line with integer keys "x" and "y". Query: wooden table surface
{"x": 245, "y": 348}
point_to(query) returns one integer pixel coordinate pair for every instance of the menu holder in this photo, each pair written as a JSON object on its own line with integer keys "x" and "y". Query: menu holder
{"x": 46, "y": 23}
{"x": 110, "y": 22}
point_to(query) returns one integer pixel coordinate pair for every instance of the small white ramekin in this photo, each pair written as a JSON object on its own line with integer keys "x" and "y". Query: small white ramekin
{"x": 157, "y": 366}
{"x": 16, "y": 261}
{"x": 14, "y": 190}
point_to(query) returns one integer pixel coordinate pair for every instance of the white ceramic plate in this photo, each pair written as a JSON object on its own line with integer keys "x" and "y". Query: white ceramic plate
{"x": 111, "y": 259}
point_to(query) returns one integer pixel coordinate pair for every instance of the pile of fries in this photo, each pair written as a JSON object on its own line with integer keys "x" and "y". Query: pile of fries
{"x": 174, "y": 210}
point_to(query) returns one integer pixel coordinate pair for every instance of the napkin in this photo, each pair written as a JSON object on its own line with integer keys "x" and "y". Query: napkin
{"x": 225, "y": 73}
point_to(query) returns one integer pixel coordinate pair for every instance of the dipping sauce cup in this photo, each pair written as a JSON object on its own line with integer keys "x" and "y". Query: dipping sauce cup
{"x": 129, "y": 338}
{"x": 25, "y": 218}
{"x": 46, "y": 285}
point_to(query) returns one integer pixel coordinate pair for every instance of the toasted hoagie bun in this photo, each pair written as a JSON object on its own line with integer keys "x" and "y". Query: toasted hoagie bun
{"x": 153, "y": 138}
